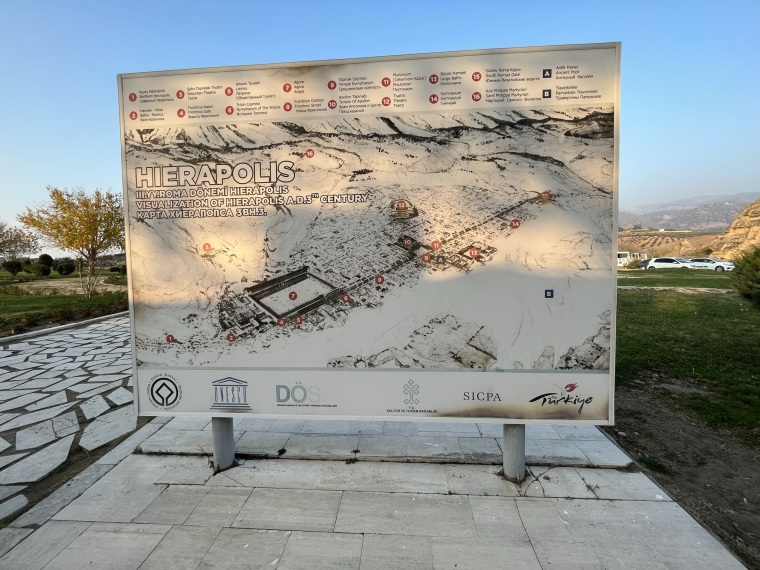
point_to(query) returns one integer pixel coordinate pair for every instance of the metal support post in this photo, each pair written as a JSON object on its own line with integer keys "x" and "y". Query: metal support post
{"x": 514, "y": 452}
{"x": 224, "y": 443}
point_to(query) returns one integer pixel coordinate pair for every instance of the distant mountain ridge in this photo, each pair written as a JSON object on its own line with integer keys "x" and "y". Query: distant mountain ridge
{"x": 692, "y": 202}
{"x": 711, "y": 213}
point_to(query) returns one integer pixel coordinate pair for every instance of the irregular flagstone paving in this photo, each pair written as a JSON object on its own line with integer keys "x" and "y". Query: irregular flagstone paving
{"x": 60, "y": 391}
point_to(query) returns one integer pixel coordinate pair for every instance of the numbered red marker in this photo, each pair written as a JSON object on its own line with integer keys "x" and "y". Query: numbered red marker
{"x": 231, "y": 337}
{"x": 229, "y": 110}
{"x": 514, "y": 224}
{"x": 474, "y": 252}
{"x": 180, "y": 113}
{"x": 288, "y": 107}
{"x": 298, "y": 319}
{"x": 133, "y": 97}
{"x": 433, "y": 98}
{"x": 386, "y": 101}
{"x": 476, "y": 96}
{"x": 229, "y": 91}
{"x": 133, "y": 115}
{"x": 331, "y": 85}
{"x": 436, "y": 245}
{"x": 433, "y": 79}
{"x": 180, "y": 94}
{"x": 281, "y": 322}
{"x": 292, "y": 295}
{"x": 170, "y": 338}
{"x": 206, "y": 247}
{"x": 477, "y": 76}
{"x": 426, "y": 257}
{"x": 287, "y": 88}
{"x": 345, "y": 297}
{"x": 408, "y": 242}
{"x": 386, "y": 82}
{"x": 401, "y": 205}
{"x": 546, "y": 196}
{"x": 332, "y": 104}
{"x": 379, "y": 279}
{"x": 309, "y": 153}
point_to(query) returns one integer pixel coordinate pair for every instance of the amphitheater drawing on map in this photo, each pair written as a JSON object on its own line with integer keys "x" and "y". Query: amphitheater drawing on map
{"x": 437, "y": 240}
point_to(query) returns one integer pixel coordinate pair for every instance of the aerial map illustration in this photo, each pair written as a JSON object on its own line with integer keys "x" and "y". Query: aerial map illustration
{"x": 446, "y": 240}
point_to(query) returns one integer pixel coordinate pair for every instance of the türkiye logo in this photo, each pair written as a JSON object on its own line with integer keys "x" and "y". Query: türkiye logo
{"x": 563, "y": 397}
{"x": 164, "y": 391}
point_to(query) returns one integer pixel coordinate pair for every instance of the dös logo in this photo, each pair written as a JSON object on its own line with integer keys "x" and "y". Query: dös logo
{"x": 298, "y": 393}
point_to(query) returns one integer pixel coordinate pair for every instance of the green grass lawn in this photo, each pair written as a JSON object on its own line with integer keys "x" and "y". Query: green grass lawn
{"x": 709, "y": 342}
{"x": 28, "y": 310}
{"x": 675, "y": 278}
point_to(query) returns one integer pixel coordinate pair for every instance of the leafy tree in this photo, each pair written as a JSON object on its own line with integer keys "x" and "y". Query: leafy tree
{"x": 745, "y": 277}
{"x": 46, "y": 260}
{"x": 66, "y": 268}
{"x": 88, "y": 225}
{"x": 12, "y": 266}
{"x": 16, "y": 242}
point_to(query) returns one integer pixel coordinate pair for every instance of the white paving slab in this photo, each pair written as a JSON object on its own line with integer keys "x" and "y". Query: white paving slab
{"x": 94, "y": 407}
{"x": 43, "y": 545}
{"x": 12, "y": 505}
{"x": 8, "y": 490}
{"x": 65, "y": 424}
{"x": 54, "y": 400}
{"x": 120, "y": 396}
{"x": 122, "y": 494}
{"x": 10, "y": 537}
{"x": 8, "y": 459}
{"x": 21, "y": 401}
{"x": 110, "y": 545}
{"x": 611, "y": 484}
{"x": 35, "y": 436}
{"x": 242, "y": 548}
{"x": 108, "y": 427}
{"x": 219, "y": 507}
{"x": 405, "y": 513}
{"x": 185, "y": 547}
{"x": 35, "y": 417}
{"x": 558, "y": 482}
{"x": 290, "y": 509}
{"x": 322, "y": 551}
{"x": 3, "y": 445}
{"x": 38, "y": 465}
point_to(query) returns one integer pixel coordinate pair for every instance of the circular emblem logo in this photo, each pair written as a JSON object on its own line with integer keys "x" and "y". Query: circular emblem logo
{"x": 164, "y": 391}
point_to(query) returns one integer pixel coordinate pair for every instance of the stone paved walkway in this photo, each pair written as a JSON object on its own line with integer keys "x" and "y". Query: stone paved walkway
{"x": 60, "y": 391}
{"x": 421, "y": 495}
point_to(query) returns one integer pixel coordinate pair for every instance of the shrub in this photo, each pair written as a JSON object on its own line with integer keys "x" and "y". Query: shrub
{"x": 38, "y": 269}
{"x": 45, "y": 260}
{"x": 66, "y": 268}
{"x": 745, "y": 277}
{"x": 12, "y": 266}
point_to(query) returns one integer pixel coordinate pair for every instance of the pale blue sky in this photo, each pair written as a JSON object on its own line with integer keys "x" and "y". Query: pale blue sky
{"x": 689, "y": 74}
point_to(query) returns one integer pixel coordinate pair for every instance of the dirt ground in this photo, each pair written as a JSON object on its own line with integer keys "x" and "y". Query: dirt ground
{"x": 711, "y": 473}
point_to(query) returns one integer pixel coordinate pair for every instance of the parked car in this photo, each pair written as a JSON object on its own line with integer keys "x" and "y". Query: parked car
{"x": 715, "y": 263}
{"x": 674, "y": 263}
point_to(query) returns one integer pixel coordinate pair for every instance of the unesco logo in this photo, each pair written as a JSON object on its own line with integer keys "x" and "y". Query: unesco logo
{"x": 164, "y": 391}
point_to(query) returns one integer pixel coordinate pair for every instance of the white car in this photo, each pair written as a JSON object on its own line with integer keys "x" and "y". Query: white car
{"x": 674, "y": 263}
{"x": 715, "y": 263}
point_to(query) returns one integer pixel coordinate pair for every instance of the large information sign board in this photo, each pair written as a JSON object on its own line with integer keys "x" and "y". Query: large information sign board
{"x": 428, "y": 236}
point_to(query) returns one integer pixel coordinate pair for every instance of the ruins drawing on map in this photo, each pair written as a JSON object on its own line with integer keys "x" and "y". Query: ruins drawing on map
{"x": 478, "y": 240}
